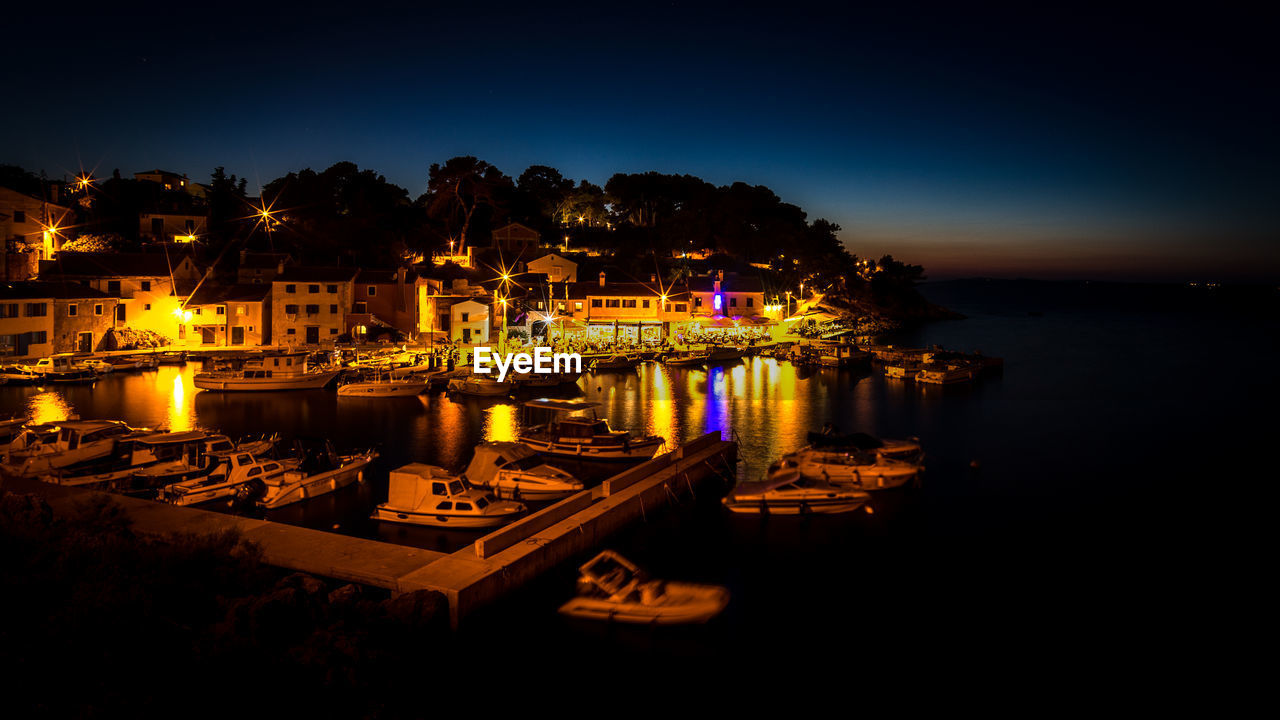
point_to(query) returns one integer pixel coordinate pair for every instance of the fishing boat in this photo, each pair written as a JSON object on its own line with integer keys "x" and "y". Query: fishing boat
{"x": 481, "y": 386}
{"x": 428, "y": 495}
{"x": 62, "y": 369}
{"x": 513, "y": 470}
{"x": 908, "y": 450}
{"x": 861, "y": 469}
{"x": 610, "y": 587}
{"x": 318, "y": 473}
{"x": 390, "y": 387}
{"x": 272, "y": 372}
{"x": 33, "y": 453}
{"x": 237, "y": 476}
{"x": 19, "y": 375}
{"x": 687, "y": 358}
{"x": 583, "y": 437}
{"x": 789, "y": 493}
{"x": 620, "y": 361}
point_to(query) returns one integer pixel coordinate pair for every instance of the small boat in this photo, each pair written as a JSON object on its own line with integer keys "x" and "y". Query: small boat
{"x": 428, "y": 495}
{"x": 947, "y": 373}
{"x": 611, "y": 588}
{"x": 687, "y": 358}
{"x": 481, "y": 386}
{"x": 102, "y": 367}
{"x": 383, "y": 388}
{"x": 172, "y": 358}
{"x": 61, "y": 369}
{"x": 908, "y": 450}
{"x": 620, "y": 361}
{"x": 121, "y": 363}
{"x": 32, "y": 453}
{"x": 725, "y": 354}
{"x": 237, "y": 476}
{"x": 513, "y": 470}
{"x": 861, "y": 469}
{"x": 257, "y": 445}
{"x": 901, "y": 370}
{"x": 789, "y": 493}
{"x": 273, "y": 372}
{"x": 582, "y": 437}
{"x": 19, "y": 375}
{"x": 318, "y": 473}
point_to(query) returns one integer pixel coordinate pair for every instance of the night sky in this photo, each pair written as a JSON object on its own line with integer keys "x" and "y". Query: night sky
{"x": 1135, "y": 146}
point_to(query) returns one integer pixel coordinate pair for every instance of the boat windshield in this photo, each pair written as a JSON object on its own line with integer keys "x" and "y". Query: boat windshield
{"x": 455, "y": 487}
{"x": 528, "y": 462}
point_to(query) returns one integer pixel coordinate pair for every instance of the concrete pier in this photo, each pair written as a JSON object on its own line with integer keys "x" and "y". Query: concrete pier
{"x": 471, "y": 577}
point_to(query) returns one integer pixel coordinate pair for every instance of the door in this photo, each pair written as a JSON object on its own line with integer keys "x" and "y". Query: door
{"x": 85, "y": 342}
{"x": 466, "y": 335}
{"x": 120, "y": 312}
{"x": 313, "y": 335}
{"x": 237, "y": 335}
{"x": 208, "y": 336}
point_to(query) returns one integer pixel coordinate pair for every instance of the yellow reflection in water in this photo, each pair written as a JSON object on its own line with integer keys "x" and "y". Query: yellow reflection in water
{"x": 500, "y": 424}
{"x": 662, "y": 410}
{"x": 48, "y": 406}
{"x": 181, "y": 412}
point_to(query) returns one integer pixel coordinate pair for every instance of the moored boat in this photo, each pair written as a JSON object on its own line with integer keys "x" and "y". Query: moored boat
{"x": 31, "y": 453}
{"x": 273, "y": 372}
{"x": 909, "y": 450}
{"x": 239, "y": 475}
{"x": 610, "y": 587}
{"x": 789, "y": 493}
{"x": 514, "y": 470}
{"x": 421, "y": 494}
{"x": 687, "y": 358}
{"x": 582, "y": 437}
{"x": 383, "y": 388}
{"x": 620, "y": 361}
{"x": 317, "y": 474}
{"x": 481, "y": 386}
{"x": 860, "y": 469}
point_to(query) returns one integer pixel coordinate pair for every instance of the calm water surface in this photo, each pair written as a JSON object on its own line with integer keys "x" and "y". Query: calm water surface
{"x": 1054, "y": 497}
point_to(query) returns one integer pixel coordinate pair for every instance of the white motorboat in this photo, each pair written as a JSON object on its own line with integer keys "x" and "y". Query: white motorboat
{"x": 611, "y": 588}
{"x": 586, "y": 438}
{"x": 481, "y": 387}
{"x": 848, "y": 466}
{"x": 78, "y": 441}
{"x": 790, "y": 493}
{"x": 908, "y": 450}
{"x": 19, "y": 375}
{"x": 687, "y": 358}
{"x": 101, "y": 367}
{"x": 63, "y": 369}
{"x": 514, "y": 470}
{"x": 237, "y": 476}
{"x": 272, "y": 372}
{"x": 428, "y": 495}
{"x": 316, "y": 475}
{"x": 383, "y": 388}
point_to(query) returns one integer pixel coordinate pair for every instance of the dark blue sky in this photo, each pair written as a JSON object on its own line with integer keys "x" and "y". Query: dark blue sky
{"x": 1049, "y": 144}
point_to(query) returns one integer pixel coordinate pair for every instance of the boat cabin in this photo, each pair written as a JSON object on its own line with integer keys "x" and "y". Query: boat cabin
{"x": 72, "y": 435}
{"x": 492, "y": 457}
{"x": 428, "y": 488}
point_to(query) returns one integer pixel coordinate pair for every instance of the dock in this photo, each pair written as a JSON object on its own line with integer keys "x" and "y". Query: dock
{"x": 470, "y": 578}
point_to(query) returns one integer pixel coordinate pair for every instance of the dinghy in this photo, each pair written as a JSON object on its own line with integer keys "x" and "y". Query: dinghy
{"x": 612, "y": 588}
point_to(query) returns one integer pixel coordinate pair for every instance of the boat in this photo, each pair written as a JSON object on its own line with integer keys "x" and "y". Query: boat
{"x": 172, "y": 358}
{"x": 687, "y": 358}
{"x": 514, "y": 470}
{"x": 383, "y": 388}
{"x": 481, "y": 386}
{"x": 19, "y": 375}
{"x": 318, "y": 473}
{"x": 61, "y": 369}
{"x": 861, "y": 469}
{"x": 908, "y": 450}
{"x": 789, "y": 493}
{"x": 947, "y": 373}
{"x": 620, "y": 361}
{"x": 725, "y": 354}
{"x": 428, "y": 495}
{"x": 610, "y": 587}
{"x": 272, "y": 372}
{"x": 101, "y": 367}
{"x": 237, "y": 476}
{"x": 33, "y": 453}
{"x": 142, "y": 461}
{"x": 121, "y": 363}
{"x": 586, "y": 438}
{"x": 901, "y": 370}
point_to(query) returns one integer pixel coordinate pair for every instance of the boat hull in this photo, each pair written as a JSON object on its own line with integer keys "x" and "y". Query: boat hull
{"x": 380, "y": 390}
{"x": 414, "y": 517}
{"x": 695, "y": 604}
{"x": 640, "y": 450}
{"x": 316, "y": 485}
{"x": 310, "y": 381}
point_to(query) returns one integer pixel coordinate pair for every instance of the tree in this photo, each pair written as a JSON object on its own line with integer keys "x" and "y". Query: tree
{"x": 460, "y": 187}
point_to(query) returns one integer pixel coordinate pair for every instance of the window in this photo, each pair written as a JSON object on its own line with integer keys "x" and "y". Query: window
{"x": 182, "y": 332}
{"x": 630, "y": 303}
{"x": 464, "y": 507}
{"x": 751, "y": 302}
{"x": 697, "y": 302}
{"x": 147, "y": 306}
{"x": 465, "y": 316}
{"x": 333, "y": 331}
{"x": 437, "y": 488}
{"x": 222, "y": 310}
{"x": 313, "y": 309}
{"x": 242, "y": 309}
{"x": 291, "y": 288}
{"x": 39, "y": 337}
{"x": 613, "y": 303}
{"x": 290, "y": 309}
{"x": 19, "y": 216}
{"x": 113, "y": 287}
{"x": 291, "y": 331}
{"x": 73, "y": 310}
{"x": 332, "y": 289}
{"x": 596, "y": 302}
{"x": 646, "y": 303}
{"x": 97, "y": 309}
{"x": 541, "y": 305}
{"x": 146, "y": 286}
{"x": 9, "y": 310}
{"x": 333, "y": 309}
{"x": 576, "y": 306}
{"x": 250, "y": 328}
{"x": 360, "y": 308}
{"x": 373, "y": 290}
{"x": 446, "y": 505}
{"x": 199, "y": 311}
{"x": 37, "y": 309}
{"x": 733, "y": 302}
{"x": 681, "y": 307}
{"x": 313, "y": 289}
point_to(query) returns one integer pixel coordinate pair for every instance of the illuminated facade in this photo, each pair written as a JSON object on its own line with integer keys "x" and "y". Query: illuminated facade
{"x": 32, "y": 230}
{"x": 38, "y": 319}
{"x": 309, "y": 305}
{"x": 229, "y": 316}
